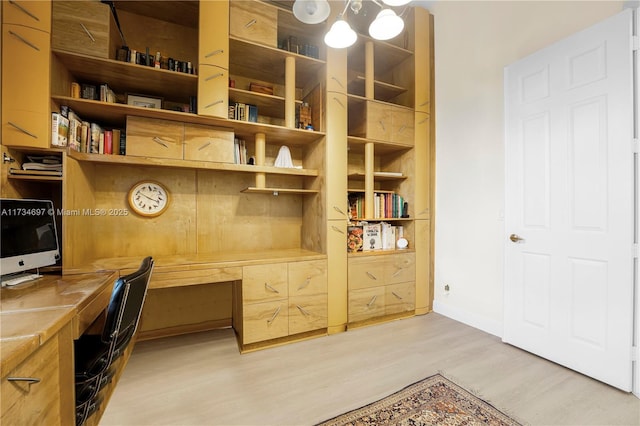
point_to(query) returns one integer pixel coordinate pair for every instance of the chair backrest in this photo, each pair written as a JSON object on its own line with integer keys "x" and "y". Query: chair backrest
{"x": 125, "y": 306}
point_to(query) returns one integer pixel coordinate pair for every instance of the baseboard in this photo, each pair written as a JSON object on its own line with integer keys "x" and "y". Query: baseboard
{"x": 481, "y": 323}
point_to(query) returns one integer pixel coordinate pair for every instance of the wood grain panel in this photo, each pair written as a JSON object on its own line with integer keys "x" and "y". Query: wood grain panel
{"x": 34, "y": 14}
{"x": 366, "y": 303}
{"x": 307, "y": 278}
{"x": 366, "y": 272}
{"x": 205, "y": 143}
{"x": 255, "y": 21}
{"x": 262, "y": 283}
{"x": 400, "y": 298}
{"x": 307, "y": 313}
{"x": 400, "y": 268}
{"x": 149, "y": 137}
{"x": 264, "y": 321}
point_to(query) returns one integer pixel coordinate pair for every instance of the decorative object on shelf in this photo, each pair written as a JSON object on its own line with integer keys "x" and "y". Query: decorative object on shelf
{"x": 284, "y": 158}
{"x": 144, "y": 101}
{"x": 148, "y": 198}
{"x": 354, "y": 238}
{"x": 386, "y": 25}
{"x": 260, "y": 88}
{"x": 402, "y": 243}
{"x": 304, "y": 116}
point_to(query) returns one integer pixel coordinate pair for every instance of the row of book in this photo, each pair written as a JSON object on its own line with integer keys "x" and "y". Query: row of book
{"x": 68, "y": 129}
{"x": 243, "y": 112}
{"x": 365, "y": 236}
{"x": 386, "y": 205}
{"x": 240, "y": 151}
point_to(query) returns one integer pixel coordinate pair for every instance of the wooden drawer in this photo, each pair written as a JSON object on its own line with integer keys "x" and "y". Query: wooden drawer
{"x": 379, "y": 121}
{"x": 400, "y": 298}
{"x": 365, "y": 272}
{"x": 33, "y": 14}
{"x": 85, "y": 27}
{"x": 307, "y": 278}
{"x": 38, "y": 403}
{"x": 366, "y": 303}
{"x": 213, "y": 91}
{"x": 400, "y": 268}
{"x": 254, "y": 21}
{"x": 206, "y": 143}
{"x": 214, "y": 33}
{"x": 261, "y": 283}
{"x": 264, "y": 321}
{"x": 402, "y": 126}
{"x": 307, "y": 313}
{"x": 150, "y": 137}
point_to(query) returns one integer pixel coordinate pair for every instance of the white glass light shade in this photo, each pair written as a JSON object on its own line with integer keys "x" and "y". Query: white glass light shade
{"x": 386, "y": 26}
{"x": 311, "y": 11}
{"x": 396, "y": 2}
{"x": 340, "y": 35}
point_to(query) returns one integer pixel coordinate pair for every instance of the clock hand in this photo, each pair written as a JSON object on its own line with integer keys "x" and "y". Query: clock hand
{"x": 146, "y": 196}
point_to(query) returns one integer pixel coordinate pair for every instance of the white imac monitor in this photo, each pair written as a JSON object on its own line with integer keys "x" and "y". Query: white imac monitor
{"x": 28, "y": 239}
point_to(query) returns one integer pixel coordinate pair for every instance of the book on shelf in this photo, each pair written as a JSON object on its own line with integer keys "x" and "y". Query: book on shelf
{"x": 115, "y": 141}
{"x": 93, "y": 138}
{"x": 75, "y": 130}
{"x": 372, "y": 236}
{"x": 59, "y": 129}
{"x": 239, "y": 151}
{"x": 385, "y": 205}
{"x": 388, "y": 236}
{"x": 106, "y": 94}
{"x": 354, "y": 238}
{"x": 243, "y": 112}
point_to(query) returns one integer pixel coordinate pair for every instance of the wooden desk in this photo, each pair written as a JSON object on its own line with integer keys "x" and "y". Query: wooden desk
{"x": 38, "y": 322}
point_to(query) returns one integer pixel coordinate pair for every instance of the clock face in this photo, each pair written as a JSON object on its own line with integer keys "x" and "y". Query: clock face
{"x": 148, "y": 198}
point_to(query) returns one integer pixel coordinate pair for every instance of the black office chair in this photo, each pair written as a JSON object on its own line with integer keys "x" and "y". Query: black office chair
{"x": 95, "y": 354}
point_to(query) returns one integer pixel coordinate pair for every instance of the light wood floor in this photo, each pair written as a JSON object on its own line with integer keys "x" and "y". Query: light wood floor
{"x": 201, "y": 379}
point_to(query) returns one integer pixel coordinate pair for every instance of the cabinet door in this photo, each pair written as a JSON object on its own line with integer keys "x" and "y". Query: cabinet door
{"x": 337, "y": 71}
{"x": 403, "y": 126}
{"x": 254, "y": 21}
{"x": 400, "y": 298}
{"x": 149, "y": 137}
{"x": 365, "y": 272}
{"x": 366, "y": 303}
{"x": 307, "y": 278}
{"x": 422, "y": 59}
{"x": 26, "y": 120}
{"x": 83, "y": 27}
{"x": 264, "y": 321}
{"x": 379, "y": 121}
{"x": 400, "y": 268}
{"x": 307, "y": 313}
{"x": 213, "y": 45}
{"x": 422, "y": 175}
{"x": 336, "y": 179}
{"x": 33, "y": 14}
{"x": 206, "y": 143}
{"x": 213, "y": 91}
{"x": 261, "y": 283}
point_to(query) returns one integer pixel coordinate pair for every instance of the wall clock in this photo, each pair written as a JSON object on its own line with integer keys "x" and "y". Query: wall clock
{"x": 148, "y": 198}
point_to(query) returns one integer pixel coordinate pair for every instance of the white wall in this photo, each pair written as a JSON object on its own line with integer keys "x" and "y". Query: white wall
{"x": 474, "y": 41}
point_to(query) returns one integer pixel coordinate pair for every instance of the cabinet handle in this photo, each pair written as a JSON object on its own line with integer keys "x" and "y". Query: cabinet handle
{"x": 214, "y": 103}
{"x": 382, "y": 124}
{"x": 24, "y": 40}
{"x": 204, "y": 146}
{"x": 424, "y": 120}
{"x": 211, "y": 77}
{"x": 396, "y": 295}
{"x": 339, "y": 102}
{"x": 370, "y": 275}
{"x": 401, "y": 129}
{"x": 250, "y": 23}
{"x": 334, "y": 78}
{"x": 397, "y": 272}
{"x": 268, "y": 287}
{"x": 88, "y": 33}
{"x": 303, "y": 311}
{"x": 305, "y": 283}
{"x": 336, "y": 208}
{"x": 25, "y": 11}
{"x": 215, "y": 52}
{"x": 25, "y": 131}
{"x": 424, "y": 103}
{"x": 30, "y": 380}
{"x": 335, "y": 228}
{"x": 160, "y": 141}
{"x": 372, "y": 301}
{"x": 275, "y": 314}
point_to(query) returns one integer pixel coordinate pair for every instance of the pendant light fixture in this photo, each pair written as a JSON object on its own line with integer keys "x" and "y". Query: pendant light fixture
{"x": 385, "y": 26}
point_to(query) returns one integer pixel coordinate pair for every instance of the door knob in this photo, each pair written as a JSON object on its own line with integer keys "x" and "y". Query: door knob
{"x": 515, "y": 238}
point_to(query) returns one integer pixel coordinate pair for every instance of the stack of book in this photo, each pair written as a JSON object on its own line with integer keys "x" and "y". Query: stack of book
{"x": 40, "y": 165}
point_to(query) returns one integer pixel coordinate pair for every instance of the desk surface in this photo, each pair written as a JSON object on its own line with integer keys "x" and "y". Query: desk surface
{"x": 32, "y": 312}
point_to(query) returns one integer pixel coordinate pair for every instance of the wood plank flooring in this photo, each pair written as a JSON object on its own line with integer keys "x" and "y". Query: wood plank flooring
{"x": 201, "y": 379}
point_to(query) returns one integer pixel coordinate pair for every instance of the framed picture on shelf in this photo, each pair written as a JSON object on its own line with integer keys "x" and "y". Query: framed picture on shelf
{"x": 144, "y": 101}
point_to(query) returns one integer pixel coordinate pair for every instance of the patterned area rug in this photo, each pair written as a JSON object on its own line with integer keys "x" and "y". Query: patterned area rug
{"x": 432, "y": 401}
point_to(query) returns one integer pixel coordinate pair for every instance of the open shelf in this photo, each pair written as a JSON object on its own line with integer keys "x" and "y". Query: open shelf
{"x": 383, "y": 91}
{"x": 269, "y": 105}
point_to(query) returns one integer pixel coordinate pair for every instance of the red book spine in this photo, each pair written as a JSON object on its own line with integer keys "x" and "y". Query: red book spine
{"x": 108, "y": 142}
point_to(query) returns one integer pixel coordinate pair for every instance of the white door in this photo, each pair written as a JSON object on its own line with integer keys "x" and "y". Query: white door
{"x": 570, "y": 202}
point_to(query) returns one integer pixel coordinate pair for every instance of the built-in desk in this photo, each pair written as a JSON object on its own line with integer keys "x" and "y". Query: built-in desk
{"x": 38, "y": 322}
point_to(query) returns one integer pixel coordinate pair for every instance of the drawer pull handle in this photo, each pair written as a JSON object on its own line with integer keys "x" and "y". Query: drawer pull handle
{"x": 334, "y": 78}
{"x": 424, "y": 103}
{"x": 270, "y": 288}
{"x": 215, "y": 52}
{"x": 335, "y": 228}
{"x": 214, "y": 103}
{"x": 88, "y": 33}
{"x": 204, "y": 146}
{"x": 396, "y": 295}
{"x": 305, "y": 283}
{"x": 336, "y": 208}
{"x": 338, "y": 101}
{"x": 372, "y": 301}
{"x": 25, "y": 131}
{"x": 303, "y": 311}
{"x": 250, "y": 23}
{"x": 382, "y": 125}
{"x": 25, "y": 41}
{"x": 397, "y": 272}
{"x": 30, "y": 380}
{"x": 25, "y": 11}
{"x": 370, "y": 275}
{"x": 160, "y": 141}
{"x": 401, "y": 129}
{"x": 211, "y": 77}
{"x": 424, "y": 120}
{"x": 275, "y": 314}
